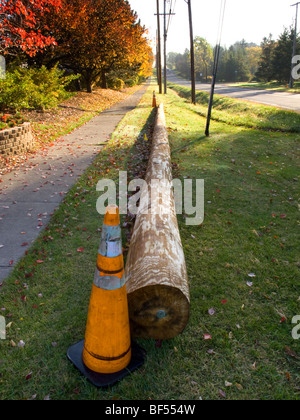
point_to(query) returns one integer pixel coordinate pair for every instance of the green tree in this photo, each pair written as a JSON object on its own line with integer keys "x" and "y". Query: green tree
{"x": 171, "y": 59}
{"x": 265, "y": 70}
{"x": 203, "y": 56}
{"x": 282, "y": 58}
{"x": 253, "y": 58}
{"x": 183, "y": 64}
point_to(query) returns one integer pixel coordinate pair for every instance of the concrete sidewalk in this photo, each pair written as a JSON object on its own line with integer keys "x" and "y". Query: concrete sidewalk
{"x": 29, "y": 195}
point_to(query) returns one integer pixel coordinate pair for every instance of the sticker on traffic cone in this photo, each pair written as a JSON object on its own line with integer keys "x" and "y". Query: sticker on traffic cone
{"x": 154, "y": 100}
{"x": 107, "y": 353}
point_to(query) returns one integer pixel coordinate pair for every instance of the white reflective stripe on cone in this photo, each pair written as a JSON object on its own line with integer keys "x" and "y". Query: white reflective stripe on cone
{"x": 108, "y": 282}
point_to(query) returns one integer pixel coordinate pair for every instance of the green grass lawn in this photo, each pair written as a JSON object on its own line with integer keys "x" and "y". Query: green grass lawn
{"x": 251, "y": 226}
{"x": 242, "y": 113}
{"x": 276, "y": 86}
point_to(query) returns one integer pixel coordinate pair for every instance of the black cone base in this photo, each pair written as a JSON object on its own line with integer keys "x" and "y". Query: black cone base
{"x": 103, "y": 379}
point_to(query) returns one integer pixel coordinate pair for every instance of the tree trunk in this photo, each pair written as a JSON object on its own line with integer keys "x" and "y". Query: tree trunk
{"x": 77, "y": 85}
{"x": 157, "y": 282}
{"x": 103, "y": 79}
{"x": 89, "y": 86}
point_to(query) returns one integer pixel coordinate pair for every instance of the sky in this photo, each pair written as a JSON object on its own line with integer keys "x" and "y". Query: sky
{"x": 250, "y": 20}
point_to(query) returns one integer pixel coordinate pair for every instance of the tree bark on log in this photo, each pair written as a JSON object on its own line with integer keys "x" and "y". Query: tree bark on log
{"x": 156, "y": 275}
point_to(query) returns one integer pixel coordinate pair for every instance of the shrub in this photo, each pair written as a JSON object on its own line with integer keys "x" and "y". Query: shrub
{"x": 115, "y": 83}
{"x": 33, "y": 88}
{"x": 7, "y": 121}
{"x": 132, "y": 82}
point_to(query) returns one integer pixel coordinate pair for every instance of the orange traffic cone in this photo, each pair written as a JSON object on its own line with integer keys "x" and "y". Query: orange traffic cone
{"x": 154, "y": 100}
{"x": 107, "y": 350}
{"x": 107, "y": 347}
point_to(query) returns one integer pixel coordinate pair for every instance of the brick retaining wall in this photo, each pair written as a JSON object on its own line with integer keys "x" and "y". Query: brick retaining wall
{"x": 16, "y": 140}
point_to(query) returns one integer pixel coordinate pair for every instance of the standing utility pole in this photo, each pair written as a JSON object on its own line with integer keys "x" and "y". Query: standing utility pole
{"x": 192, "y": 53}
{"x": 165, "y": 46}
{"x": 165, "y": 39}
{"x": 295, "y": 43}
{"x": 159, "y": 71}
{"x": 216, "y": 63}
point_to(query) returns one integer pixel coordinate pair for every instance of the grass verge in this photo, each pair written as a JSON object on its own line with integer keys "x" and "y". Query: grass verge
{"x": 251, "y": 227}
{"x": 242, "y": 113}
{"x": 273, "y": 86}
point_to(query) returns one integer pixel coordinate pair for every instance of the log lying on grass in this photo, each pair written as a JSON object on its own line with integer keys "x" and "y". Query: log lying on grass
{"x": 156, "y": 275}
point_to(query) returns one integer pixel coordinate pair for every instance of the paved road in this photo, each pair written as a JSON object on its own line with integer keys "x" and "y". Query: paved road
{"x": 284, "y": 100}
{"x": 29, "y": 195}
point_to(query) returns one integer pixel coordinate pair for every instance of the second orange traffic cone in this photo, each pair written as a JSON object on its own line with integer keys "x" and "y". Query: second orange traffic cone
{"x": 154, "y": 105}
{"x": 107, "y": 347}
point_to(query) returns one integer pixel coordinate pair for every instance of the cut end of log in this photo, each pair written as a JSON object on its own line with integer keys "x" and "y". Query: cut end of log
{"x": 158, "y": 312}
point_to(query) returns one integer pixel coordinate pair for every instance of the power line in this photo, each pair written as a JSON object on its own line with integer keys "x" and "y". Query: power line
{"x": 171, "y": 14}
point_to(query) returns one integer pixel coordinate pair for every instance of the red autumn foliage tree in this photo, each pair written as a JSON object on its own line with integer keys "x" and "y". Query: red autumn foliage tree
{"x": 20, "y": 28}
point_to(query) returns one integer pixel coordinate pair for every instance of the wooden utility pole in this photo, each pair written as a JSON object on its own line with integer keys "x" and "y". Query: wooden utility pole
{"x": 193, "y": 81}
{"x": 211, "y": 99}
{"x": 165, "y": 38}
{"x": 156, "y": 277}
{"x": 165, "y": 47}
{"x": 294, "y": 45}
{"x": 216, "y": 63}
{"x": 159, "y": 70}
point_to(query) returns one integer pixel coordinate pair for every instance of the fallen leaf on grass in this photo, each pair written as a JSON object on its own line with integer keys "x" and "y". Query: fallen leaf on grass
{"x": 80, "y": 249}
{"x": 291, "y": 353}
{"x": 283, "y": 319}
{"x": 207, "y": 337}
{"x": 29, "y": 376}
{"x": 222, "y": 393}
